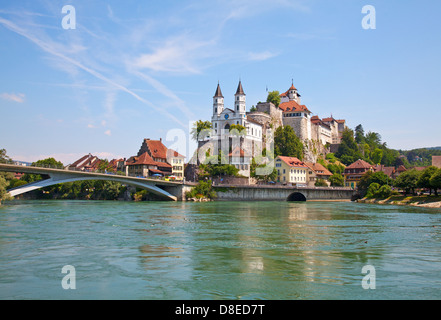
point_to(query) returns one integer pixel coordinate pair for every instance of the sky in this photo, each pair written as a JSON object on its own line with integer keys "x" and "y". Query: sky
{"x": 109, "y": 74}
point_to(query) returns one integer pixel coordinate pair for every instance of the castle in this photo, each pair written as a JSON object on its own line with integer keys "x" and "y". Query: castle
{"x": 315, "y": 133}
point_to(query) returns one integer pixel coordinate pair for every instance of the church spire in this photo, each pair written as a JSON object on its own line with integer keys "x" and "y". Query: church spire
{"x": 240, "y": 89}
{"x": 218, "y": 93}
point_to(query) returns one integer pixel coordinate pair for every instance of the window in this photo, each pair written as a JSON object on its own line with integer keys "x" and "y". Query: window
{"x": 215, "y": 110}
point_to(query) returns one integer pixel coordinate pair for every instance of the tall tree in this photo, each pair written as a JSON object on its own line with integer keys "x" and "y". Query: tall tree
{"x": 424, "y": 180}
{"x": 274, "y": 97}
{"x": 198, "y": 127}
{"x": 348, "y": 152}
{"x": 435, "y": 181}
{"x": 286, "y": 143}
{"x": 359, "y": 134}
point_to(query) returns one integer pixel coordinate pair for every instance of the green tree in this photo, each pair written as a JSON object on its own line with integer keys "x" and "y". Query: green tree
{"x": 377, "y": 155}
{"x": 337, "y": 180}
{"x": 408, "y": 181}
{"x": 424, "y": 179}
{"x": 369, "y": 177}
{"x": 203, "y": 189}
{"x": 321, "y": 183}
{"x": 286, "y": 143}
{"x": 372, "y": 190}
{"x": 198, "y": 127}
{"x": 359, "y": 134}
{"x": 241, "y": 130}
{"x": 435, "y": 181}
{"x": 348, "y": 151}
{"x": 273, "y": 97}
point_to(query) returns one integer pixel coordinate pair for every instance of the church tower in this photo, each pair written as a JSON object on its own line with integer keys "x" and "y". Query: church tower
{"x": 293, "y": 94}
{"x": 239, "y": 100}
{"x": 218, "y": 102}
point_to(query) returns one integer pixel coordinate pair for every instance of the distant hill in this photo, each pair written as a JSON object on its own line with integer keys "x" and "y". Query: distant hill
{"x": 434, "y": 148}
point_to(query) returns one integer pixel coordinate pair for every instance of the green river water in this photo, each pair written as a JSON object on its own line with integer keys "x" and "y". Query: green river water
{"x": 218, "y": 250}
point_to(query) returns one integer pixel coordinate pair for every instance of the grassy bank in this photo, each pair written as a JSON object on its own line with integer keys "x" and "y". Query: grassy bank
{"x": 418, "y": 201}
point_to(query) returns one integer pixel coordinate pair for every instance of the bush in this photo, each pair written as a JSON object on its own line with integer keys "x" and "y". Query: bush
{"x": 384, "y": 192}
{"x": 372, "y": 190}
{"x": 321, "y": 183}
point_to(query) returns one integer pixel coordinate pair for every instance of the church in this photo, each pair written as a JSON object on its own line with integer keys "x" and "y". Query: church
{"x": 223, "y": 118}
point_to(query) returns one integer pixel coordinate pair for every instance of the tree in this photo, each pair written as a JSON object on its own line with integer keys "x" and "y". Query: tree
{"x": 372, "y": 190}
{"x": 377, "y": 155}
{"x": 369, "y": 177}
{"x": 45, "y": 163}
{"x": 337, "y": 180}
{"x": 424, "y": 179}
{"x": 348, "y": 151}
{"x": 3, "y": 157}
{"x": 273, "y": 97}
{"x": 359, "y": 134}
{"x": 5, "y": 177}
{"x": 408, "y": 181}
{"x": 435, "y": 181}
{"x": 286, "y": 143}
{"x": 198, "y": 127}
{"x": 321, "y": 183}
{"x": 239, "y": 128}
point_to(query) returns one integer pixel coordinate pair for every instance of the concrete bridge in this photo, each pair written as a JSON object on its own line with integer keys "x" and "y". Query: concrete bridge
{"x": 281, "y": 193}
{"x": 175, "y": 190}
{"x": 168, "y": 190}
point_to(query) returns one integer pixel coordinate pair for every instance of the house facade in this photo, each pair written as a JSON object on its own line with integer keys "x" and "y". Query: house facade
{"x": 291, "y": 170}
{"x": 355, "y": 171}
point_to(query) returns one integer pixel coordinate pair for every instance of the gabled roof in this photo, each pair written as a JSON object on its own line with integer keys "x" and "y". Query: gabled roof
{"x": 360, "y": 164}
{"x": 173, "y": 153}
{"x": 292, "y": 162}
{"x": 240, "y": 89}
{"x": 218, "y": 93}
{"x": 239, "y": 152}
{"x": 157, "y": 149}
{"x": 142, "y": 159}
{"x": 319, "y": 169}
{"x": 293, "y": 106}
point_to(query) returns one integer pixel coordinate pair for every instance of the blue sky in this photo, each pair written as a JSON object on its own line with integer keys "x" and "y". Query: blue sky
{"x": 144, "y": 69}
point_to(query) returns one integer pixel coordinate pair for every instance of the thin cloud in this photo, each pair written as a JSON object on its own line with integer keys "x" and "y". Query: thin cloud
{"x": 19, "y": 98}
{"x": 52, "y": 50}
{"x": 261, "y": 56}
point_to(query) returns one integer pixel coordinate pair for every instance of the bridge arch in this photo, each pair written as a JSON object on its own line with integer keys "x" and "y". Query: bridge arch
{"x": 57, "y": 179}
{"x": 296, "y": 197}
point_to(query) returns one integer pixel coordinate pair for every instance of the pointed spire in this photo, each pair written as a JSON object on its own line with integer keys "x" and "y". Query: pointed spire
{"x": 218, "y": 93}
{"x": 240, "y": 89}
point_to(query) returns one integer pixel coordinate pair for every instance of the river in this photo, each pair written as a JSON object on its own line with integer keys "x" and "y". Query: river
{"x": 218, "y": 250}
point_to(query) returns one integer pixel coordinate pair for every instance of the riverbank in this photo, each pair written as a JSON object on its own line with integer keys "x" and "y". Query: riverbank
{"x": 416, "y": 201}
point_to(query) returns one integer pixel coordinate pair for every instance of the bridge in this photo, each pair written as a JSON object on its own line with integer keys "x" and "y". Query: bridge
{"x": 168, "y": 190}
{"x": 281, "y": 193}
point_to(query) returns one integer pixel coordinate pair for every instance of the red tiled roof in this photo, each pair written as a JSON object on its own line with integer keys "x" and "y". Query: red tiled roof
{"x": 293, "y": 106}
{"x": 173, "y": 153}
{"x": 319, "y": 169}
{"x": 238, "y": 152}
{"x": 330, "y": 119}
{"x": 359, "y": 164}
{"x": 286, "y": 93}
{"x": 142, "y": 159}
{"x": 293, "y": 161}
{"x": 157, "y": 148}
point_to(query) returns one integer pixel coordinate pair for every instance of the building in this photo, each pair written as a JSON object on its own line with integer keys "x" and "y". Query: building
{"x": 355, "y": 171}
{"x": 291, "y": 170}
{"x": 142, "y": 166}
{"x": 327, "y": 131}
{"x": 176, "y": 160}
{"x": 155, "y": 159}
{"x": 223, "y": 118}
{"x": 89, "y": 163}
{"x": 436, "y": 161}
{"x": 317, "y": 171}
{"x": 241, "y": 160}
